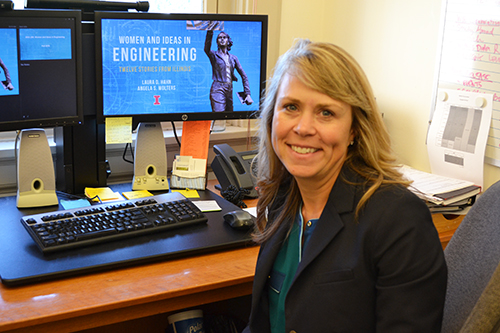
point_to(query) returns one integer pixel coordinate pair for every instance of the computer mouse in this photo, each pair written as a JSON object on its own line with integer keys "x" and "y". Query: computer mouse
{"x": 239, "y": 219}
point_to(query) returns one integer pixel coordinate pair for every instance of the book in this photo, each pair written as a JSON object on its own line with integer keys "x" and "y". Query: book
{"x": 461, "y": 207}
{"x": 437, "y": 189}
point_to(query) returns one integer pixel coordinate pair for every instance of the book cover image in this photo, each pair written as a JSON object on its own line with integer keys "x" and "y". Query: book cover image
{"x": 162, "y": 66}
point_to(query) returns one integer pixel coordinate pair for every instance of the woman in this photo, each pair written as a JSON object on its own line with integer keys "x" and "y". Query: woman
{"x": 345, "y": 247}
{"x": 223, "y": 66}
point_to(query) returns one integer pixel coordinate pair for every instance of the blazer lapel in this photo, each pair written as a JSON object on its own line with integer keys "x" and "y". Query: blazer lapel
{"x": 342, "y": 200}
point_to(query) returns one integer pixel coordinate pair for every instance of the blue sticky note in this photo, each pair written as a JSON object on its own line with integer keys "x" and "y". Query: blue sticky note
{"x": 68, "y": 204}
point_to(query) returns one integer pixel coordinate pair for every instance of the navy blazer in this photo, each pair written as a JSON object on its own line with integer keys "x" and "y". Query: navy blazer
{"x": 383, "y": 273}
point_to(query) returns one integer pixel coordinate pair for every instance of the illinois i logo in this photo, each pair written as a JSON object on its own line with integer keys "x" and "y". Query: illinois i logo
{"x": 157, "y": 99}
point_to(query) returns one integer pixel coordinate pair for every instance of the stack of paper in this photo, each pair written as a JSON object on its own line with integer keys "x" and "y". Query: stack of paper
{"x": 189, "y": 173}
{"x": 440, "y": 192}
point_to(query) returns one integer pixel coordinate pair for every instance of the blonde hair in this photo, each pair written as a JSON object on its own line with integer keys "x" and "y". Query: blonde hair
{"x": 328, "y": 69}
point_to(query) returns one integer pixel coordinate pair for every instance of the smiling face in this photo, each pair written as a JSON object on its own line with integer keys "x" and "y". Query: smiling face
{"x": 311, "y": 132}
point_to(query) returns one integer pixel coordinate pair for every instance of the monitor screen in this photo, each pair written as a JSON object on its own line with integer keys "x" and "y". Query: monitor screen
{"x": 178, "y": 67}
{"x": 40, "y": 68}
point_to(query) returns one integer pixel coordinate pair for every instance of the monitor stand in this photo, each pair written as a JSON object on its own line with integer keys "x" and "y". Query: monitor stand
{"x": 150, "y": 158}
{"x": 218, "y": 126}
{"x": 36, "y": 182}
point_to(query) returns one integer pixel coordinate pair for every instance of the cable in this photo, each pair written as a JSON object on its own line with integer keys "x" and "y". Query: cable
{"x": 175, "y": 134}
{"x": 15, "y": 154}
{"x": 125, "y": 153}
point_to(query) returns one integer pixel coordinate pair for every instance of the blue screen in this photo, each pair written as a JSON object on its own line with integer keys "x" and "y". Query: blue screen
{"x": 45, "y": 44}
{"x": 155, "y": 66}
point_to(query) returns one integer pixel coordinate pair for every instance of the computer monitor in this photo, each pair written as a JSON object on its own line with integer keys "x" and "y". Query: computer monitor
{"x": 166, "y": 67}
{"x": 40, "y": 86}
{"x": 40, "y": 69}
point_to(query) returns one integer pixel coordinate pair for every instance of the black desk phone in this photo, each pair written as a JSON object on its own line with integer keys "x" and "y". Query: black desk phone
{"x": 234, "y": 168}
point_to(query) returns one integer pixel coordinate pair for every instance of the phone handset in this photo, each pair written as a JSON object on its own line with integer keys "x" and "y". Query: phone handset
{"x": 232, "y": 168}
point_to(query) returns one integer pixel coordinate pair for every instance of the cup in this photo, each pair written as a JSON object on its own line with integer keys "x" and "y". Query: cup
{"x": 187, "y": 322}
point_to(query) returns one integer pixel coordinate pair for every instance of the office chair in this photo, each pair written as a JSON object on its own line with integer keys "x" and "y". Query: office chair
{"x": 473, "y": 254}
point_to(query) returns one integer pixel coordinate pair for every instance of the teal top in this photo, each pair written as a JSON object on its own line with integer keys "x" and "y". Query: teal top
{"x": 284, "y": 269}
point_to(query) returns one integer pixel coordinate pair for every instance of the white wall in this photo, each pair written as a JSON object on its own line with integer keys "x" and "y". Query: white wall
{"x": 271, "y": 8}
{"x": 395, "y": 41}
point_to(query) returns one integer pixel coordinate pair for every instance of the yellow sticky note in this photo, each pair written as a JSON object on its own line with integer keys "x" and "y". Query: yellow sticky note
{"x": 137, "y": 194}
{"x": 104, "y": 193}
{"x": 188, "y": 193}
{"x": 119, "y": 130}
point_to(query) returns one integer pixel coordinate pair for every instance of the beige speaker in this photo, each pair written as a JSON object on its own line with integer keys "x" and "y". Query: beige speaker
{"x": 150, "y": 158}
{"x": 36, "y": 182}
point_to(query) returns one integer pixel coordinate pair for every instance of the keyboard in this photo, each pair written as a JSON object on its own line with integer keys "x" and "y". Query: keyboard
{"x": 78, "y": 227}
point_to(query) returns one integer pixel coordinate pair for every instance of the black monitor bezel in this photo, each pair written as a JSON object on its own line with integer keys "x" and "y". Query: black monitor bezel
{"x": 76, "y": 119}
{"x": 190, "y": 116}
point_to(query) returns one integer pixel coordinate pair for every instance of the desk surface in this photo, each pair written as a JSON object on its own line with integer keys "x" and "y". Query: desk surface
{"x": 98, "y": 299}
{"x": 21, "y": 262}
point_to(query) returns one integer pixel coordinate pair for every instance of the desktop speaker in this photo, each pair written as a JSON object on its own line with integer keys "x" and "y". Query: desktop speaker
{"x": 36, "y": 183}
{"x": 150, "y": 158}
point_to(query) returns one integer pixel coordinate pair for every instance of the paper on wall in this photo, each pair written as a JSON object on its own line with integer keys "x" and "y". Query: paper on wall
{"x": 457, "y": 136}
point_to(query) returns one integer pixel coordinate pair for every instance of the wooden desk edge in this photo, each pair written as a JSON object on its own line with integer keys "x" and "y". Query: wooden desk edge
{"x": 446, "y": 227}
{"x": 76, "y": 321}
{"x": 197, "y": 291}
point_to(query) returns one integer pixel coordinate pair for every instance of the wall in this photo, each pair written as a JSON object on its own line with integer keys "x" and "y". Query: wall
{"x": 395, "y": 41}
{"x": 271, "y": 8}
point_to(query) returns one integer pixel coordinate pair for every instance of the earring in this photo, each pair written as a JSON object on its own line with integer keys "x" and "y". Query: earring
{"x": 352, "y": 143}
